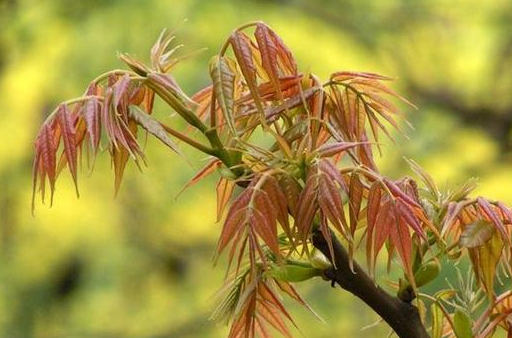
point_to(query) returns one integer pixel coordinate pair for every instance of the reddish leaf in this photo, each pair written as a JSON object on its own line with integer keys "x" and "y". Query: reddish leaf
{"x": 291, "y": 189}
{"x": 46, "y": 147}
{"x": 382, "y": 229}
{"x": 120, "y": 89}
{"x": 69, "y": 139}
{"x": 331, "y": 149}
{"x": 241, "y": 47}
{"x": 278, "y": 200}
{"x": 356, "y": 190}
{"x": 401, "y": 238}
{"x": 92, "y": 120}
{"x": 491, "y": 214}
{"x": 372, "y": 210}
{"x": 268, "y": 51}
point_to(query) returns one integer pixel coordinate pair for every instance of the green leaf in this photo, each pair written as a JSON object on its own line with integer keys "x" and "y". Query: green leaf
{"x": 223, "y": 80}
{"x": 293, "y": 273}
{"x": 476, "y": 234}
{"x": 152, "y": 126}
{"x": 488, "y": 258}
{"x": 437, "y": 321}
{"x": 462, "y": 325}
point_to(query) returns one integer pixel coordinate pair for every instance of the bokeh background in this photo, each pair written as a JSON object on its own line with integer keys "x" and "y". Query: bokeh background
{"x": 140, "y": 265}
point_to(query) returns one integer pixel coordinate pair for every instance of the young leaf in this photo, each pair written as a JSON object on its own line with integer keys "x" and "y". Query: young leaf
{"x": 224, "y": 191}
{"x": 476, "y": 234}
{"x": 223, "y": 80}
{"x": 268, "y": 52}
{"x": 69, "y": 139}
{"x": 462, "y": 325}
{"x": 152, "y": 126}
{"x": 241, "y": 47}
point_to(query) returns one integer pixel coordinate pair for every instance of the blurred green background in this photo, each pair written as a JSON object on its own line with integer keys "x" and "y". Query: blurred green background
{"x": 140, "y": 265}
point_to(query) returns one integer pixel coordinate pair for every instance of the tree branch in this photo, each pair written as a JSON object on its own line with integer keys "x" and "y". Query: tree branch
{"x": 403, "y": 317}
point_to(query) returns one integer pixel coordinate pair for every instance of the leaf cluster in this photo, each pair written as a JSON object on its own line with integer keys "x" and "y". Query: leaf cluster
{"x": 294, "y": 154}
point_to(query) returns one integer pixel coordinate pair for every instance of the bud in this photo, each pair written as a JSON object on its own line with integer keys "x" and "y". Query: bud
{"x": 426, "y": 273}
{"x": 293, "y": 273}
{"x": 318, "y": 260}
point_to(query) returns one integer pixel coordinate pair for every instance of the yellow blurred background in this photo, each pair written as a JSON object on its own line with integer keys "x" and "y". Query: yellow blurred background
{"x": 140, "y": 265}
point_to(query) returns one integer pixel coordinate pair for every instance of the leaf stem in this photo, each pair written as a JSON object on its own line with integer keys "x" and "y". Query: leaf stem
{"x": 105, "y": 75}
{"x": 189, "y": 141}
{"x": 229, "y": 158}
{"x": 72, "y": 101}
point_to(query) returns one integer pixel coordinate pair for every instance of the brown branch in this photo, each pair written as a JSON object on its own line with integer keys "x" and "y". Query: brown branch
{"x": 403, "y": 317}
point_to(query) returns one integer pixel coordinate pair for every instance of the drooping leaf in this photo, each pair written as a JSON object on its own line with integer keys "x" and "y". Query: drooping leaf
{"x": 152, "y": 126}
{"x": 91, "y": 115}
{"x": 291, "y": 189}
{"x": 476, "y": 234}
{"x": 253, "y": 215}
{"x": 401, "y": 238}
{"x": 485, "y": 259}
{"x": 205, "y": 171}
{"x": 372, "y": 210}
{"x": 493, "y": 216}
{"x": 47, "y": 148}
{"x": 69, "y": 139}
{"x": 119, "y": 157}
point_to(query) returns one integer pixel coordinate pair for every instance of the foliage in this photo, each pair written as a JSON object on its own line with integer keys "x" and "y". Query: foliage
{"x": 296, "y": 155}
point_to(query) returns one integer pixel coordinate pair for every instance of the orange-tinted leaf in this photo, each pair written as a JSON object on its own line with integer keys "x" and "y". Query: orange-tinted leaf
{"x": 476, "y": 234}
{"x": 205, "y": 171}
{"x": 345, "y": 75}
{"x": 224, "y": 191}
{"x": 485, "y": 259}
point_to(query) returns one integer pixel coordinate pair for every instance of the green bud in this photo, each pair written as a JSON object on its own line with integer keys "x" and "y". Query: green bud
{"x": 426, "y": 273}
{"x": 292, "y": 273}
{"x": 318, "y": 260}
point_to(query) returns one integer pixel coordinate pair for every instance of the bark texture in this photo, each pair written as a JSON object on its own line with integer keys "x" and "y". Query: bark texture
{"x": 403, "y": 317}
